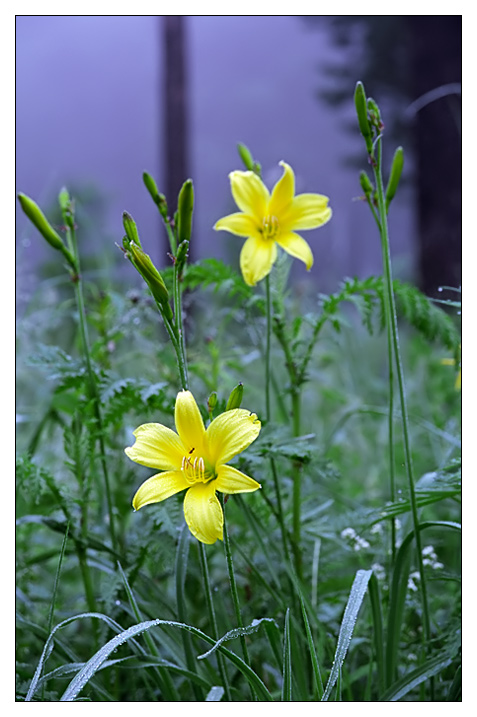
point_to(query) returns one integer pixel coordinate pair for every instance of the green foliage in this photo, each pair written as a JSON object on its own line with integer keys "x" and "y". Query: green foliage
{"x": 336, "y": 614}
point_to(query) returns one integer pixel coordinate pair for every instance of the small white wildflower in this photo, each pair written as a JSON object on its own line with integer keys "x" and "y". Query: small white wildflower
{"x": 348, "y": 533}
{"x": 377, "y": 528}
{"x": 378, "y": 570}
{"x": 412, "y": 657}
{"x": 397, "y": 524}
{"x": 411, "y": 585}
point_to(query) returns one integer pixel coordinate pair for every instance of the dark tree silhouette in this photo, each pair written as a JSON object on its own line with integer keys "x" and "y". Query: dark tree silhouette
{"x": 175, "y": 109}
{"x": 401, "y": 58}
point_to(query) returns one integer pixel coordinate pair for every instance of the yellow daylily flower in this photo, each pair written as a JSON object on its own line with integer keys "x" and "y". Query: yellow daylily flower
{"x": 194, "y": 459}
{"x": 268, "y": 220}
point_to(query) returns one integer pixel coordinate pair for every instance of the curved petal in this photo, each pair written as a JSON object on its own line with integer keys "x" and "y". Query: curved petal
{"x": 230, "y": 480}
{"x": 203, "y": 513}
{"x": 306, "y": 211}
{"x": 238, "y": 223}
{"x": 256, "y": 259}
{"x": 159, "y": 487}
{"x": 250, "y": 194}
{"x": 189, "y": 423}
{"x": 283, "y": 192}
{"x": 296, "y": 246}
{"x": 231, "y": 433}
{"x": 156, "y": 446}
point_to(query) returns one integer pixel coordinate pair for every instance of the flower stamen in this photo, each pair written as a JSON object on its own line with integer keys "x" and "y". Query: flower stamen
{"x": 194, "y": 470}
{"x": 271, "y": 227}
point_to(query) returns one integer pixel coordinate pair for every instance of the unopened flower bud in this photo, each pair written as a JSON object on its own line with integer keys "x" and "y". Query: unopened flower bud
{"x": 366, "y": 185}
{"x": 131, "y": 229}
{"x": 185, "y": 207}
{"x": 36, "y": 216}
{"x": 212, "y": 401}
{"x": 246, "y": 156}
{"x": 181, "y": 257}
{"x": 362, "y": 112}
{"x": 374, "y": 114}
{"x": 157, "y": 197}
{"x": 67, "y": 208}
{"x": 150, "y": 274}
{"x": 235, "y": 398}
{"x": 395, "y": 175}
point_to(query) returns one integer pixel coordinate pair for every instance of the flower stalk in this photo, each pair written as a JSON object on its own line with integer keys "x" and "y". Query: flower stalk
{"x": 374, "y": 124}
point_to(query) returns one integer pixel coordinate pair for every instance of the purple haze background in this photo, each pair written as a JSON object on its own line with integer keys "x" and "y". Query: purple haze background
{"x": 89, "y": 94}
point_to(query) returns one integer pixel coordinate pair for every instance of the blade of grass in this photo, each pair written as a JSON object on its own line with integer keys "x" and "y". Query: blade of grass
{"x": 356, "y": 596}
{"x": 287, "y": 666}
{"x": 91, "y": 667}
{"x": 182, "y": 556}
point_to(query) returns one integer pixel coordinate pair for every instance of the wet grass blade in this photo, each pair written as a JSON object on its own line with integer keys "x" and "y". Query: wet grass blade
{"x": 416, "y": 677}
{"x": 287, "y": 664}
{"x": 318, "y": 683}
{"x": 356, "y": 596}
{"x": 378, "y": 630}
{"x": 93, "y": 665}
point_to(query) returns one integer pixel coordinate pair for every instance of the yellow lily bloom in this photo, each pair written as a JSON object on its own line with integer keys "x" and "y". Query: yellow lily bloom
{"x": 268, "y": 220}
{"x": 194, "y": 459}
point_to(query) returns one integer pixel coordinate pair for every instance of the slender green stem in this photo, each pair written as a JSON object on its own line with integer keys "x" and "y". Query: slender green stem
{"x": 295, "y": 378}
{"x": 268, "y": 376}
{"x": 268, "y": 358}
{"x": 392, "y": 320}
{"x": 392, "y": 463}
{"x": 297, "y": 475}
{"x": 179, "y": 328}
{"x": 213, "y": 620}
{"x": 71, "y": 237}
{"x": 233, "y": 584}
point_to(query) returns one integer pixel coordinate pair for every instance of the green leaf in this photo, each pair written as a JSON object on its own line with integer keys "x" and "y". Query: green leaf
{"x": 287, "y": 671}
{"x": 413, "y": 679}
{"x": 91, "y": 667}
{"x": 356, "y": 596}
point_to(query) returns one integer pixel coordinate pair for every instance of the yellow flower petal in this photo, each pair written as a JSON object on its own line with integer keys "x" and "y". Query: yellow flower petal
{"x": 238, "y": 223}
{"x": 231, "y": 433}
{"x": 159, "y": 487}
{"x": 283, "y": 192}
{"x": 156, "y": 447}
{"x": 296, "y": 246}
{"x": 203, "y": 513}
{"x": 306, "y": 211}
{"x": 231, "y": 480}
{"x": 256, "y": 259}
{"x": 250, "y": 194}
{"x": 189, "y": 423}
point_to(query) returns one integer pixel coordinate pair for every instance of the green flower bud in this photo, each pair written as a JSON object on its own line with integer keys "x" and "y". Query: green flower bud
{"x": 374, "y": 115}
{"x": 212, "y": 401}
{"x": 395, "y": 176}
{"x": 362, "y": 113}
{"x": 235, "y": 398}
{"x": 185, "y": 207}
{"x": 181, "y": 257}
{"x": 157, "y": 197}
{"x": 366, "y": 185}
{"x": 38, "y": 219}
{"x": 67, "y": 208}
{"x": 131, "y": 228}
{"x": 150, "y": 274}
{"x": 246, "y": 157}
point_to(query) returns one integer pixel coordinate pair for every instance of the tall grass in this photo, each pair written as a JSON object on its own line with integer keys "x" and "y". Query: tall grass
{"x": 340, "y": 578}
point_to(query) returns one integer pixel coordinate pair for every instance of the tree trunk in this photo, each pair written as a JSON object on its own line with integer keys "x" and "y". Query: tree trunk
{"x": 436, "y": 61}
